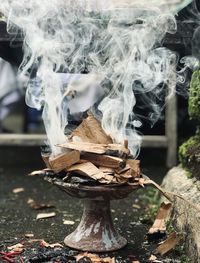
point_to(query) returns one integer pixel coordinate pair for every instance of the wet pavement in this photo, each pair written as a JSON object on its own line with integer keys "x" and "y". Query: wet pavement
{"x": 18, "y": 219}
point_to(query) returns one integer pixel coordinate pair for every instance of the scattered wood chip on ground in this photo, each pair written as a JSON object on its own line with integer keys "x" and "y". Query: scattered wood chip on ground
{"x": 45, "y": 244}
{"x": 154, "y": 259}
{"x": 38, "y": 172}
{"x": 45, "y": 215}
{"x": 38, "y": 206}
{"x": 135, "y": 206}
{"x": 159, "y": 227}
{"x": 168, "y": 244}
{"x": 18, "y": 248}
{"x": 18, "y": 190}
{"x": 94, "y": 258}
{"x": 29, "y": 235}
{"x": 68, "y": 222}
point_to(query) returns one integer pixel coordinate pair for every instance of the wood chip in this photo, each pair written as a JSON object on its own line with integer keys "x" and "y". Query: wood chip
{"x": 68, "y": 222}
{"x": 45, "y": 157}
{"x": 45, "y": 244}
{"x": 135, "y": 167}
{"x": 104, "y": 160}
{"x": 45, "y": 215}
{"x": 38, "y": 206}
{"x": 107, "y": 149}
{"x": 154, "y": 259}
{"x": 136, "y": 206}
{"x": 106, "y": 170}
{"x": 39, "y": 172}
{"x": 90, "y": 130}
{"x": 94, "y": 258}
{"x": 159, "y": 225}
{"x": 29, "y": 235}
{"x": 18, "y": 190}
{"x": 64, "y": 160}
{"x": 87, "y": 169}
{"x": 168, "y": 244}
{"x": 35, "y": 240}
{"x": 18, "y": 248}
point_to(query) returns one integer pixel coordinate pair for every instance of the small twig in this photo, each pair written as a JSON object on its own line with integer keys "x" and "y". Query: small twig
{"x": 169, "y": 195}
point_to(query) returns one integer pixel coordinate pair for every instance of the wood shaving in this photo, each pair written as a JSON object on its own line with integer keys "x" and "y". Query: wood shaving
{"x": 18, "y": 190}
{"x": 168, "y": 244}
{"x": 45, "y": 215}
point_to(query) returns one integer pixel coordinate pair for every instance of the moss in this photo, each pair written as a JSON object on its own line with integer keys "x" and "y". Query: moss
{"x": 189, "y": 155}
{"x": 194, "y": 96}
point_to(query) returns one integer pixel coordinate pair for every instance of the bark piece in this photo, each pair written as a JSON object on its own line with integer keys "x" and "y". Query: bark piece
{"x": 106, "y": 149}
{"x": 64, "y": 160}
{"x": 104, "y": 160}
{"x": 88, "y": 169}
{"x": 159, "y": 227}
{"x": 168, "y": 244}
{"x": 90, "y": 130}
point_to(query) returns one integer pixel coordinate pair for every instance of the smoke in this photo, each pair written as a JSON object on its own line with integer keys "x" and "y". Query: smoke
{"x": 120, "y": 47}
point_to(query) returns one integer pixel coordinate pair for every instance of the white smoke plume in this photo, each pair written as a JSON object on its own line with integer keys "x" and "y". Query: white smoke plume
{"x": 119, "y": 45}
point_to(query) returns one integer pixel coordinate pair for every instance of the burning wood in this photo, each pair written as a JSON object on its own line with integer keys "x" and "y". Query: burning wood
{"x": 135, "y": 167}
{"x": 104, "y": 160}
{"x": 45, "y": 157}
{"x": 64, "y": 160}
{"x": 108, "y": 149}
{"x": 91, "y": 131}
{"x": 90, "y": 170}
{"x": 90, "y": 153}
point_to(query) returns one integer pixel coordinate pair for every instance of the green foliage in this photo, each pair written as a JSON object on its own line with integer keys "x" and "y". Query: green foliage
{"x": 194, "y": 96}
{"x": 189, "y": 152}
{"x": 150, "y": 199}
{"x": 189, "y": 155}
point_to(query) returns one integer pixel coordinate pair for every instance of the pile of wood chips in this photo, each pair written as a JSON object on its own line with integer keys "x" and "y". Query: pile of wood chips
{"x": 90, "y": 152}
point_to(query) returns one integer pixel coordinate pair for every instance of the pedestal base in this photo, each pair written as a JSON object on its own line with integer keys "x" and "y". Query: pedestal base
{"x": 96, "y": 232}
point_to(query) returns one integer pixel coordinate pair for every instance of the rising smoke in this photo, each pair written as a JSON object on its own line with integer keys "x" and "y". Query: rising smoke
{"x": 120, "y": 47}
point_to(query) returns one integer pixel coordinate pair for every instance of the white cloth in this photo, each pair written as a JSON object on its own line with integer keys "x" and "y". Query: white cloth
{"x": 8, "y": 78}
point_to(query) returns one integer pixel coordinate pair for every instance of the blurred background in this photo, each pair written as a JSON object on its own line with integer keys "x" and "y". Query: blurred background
{"x": 18, "y": 120}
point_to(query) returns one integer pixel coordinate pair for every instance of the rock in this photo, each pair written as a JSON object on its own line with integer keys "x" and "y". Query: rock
{"x": 186, "y": 218}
